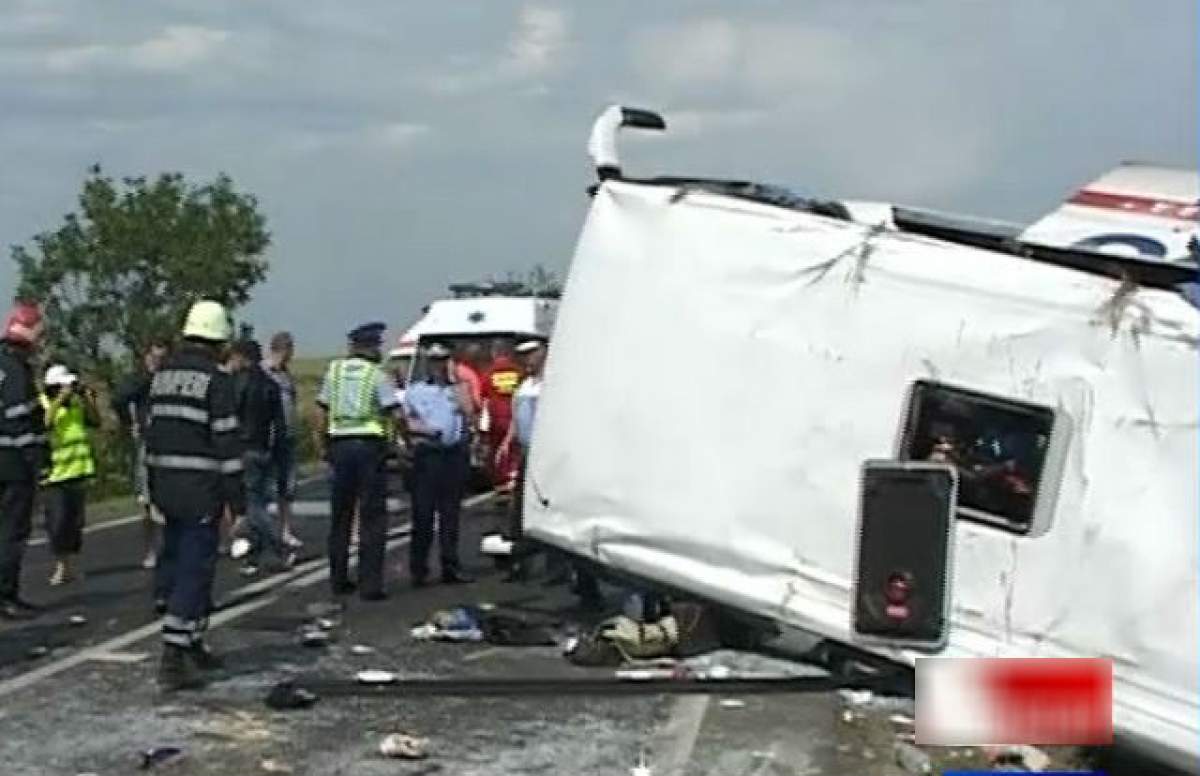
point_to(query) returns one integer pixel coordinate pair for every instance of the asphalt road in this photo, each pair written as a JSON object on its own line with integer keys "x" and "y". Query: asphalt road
{"x": 86, "y": 702}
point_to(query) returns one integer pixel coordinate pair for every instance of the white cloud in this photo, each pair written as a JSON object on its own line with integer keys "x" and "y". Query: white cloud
{"x": 772, "y": 60}
{"x": 396, "y": 134}
{"x": 535, "y": 49}
{"x": 539, "y": 40}
{"x": 388, "y": 137}
{"x": 687, "y": 123}
{"x": 176, "y": 47}
{"x": 699, "y": 51}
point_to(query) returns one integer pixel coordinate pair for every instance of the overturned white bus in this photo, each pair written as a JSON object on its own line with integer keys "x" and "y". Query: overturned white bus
{"x": 727, "y": 356}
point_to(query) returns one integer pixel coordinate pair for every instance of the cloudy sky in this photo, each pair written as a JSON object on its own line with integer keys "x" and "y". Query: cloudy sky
{"x": 397, "y": 147}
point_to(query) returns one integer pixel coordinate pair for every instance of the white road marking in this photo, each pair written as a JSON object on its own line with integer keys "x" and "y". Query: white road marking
{"x": 320, "y": 508}
{"x": 304, "y": 575}
{"x": 117, "y": 522}
{"x": 675, "y": 741}
{"x": 121, "y": 657}
{"x": 481, "y": 654}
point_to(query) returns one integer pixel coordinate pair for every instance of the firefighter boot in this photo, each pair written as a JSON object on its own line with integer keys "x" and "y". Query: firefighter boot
{"x": 204, "y": 658}
{"x": 177, "y": 671}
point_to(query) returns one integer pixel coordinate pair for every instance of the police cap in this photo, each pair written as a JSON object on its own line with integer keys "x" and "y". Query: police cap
{"x": 369, "y": 334}
{"x": 437, "y": 350}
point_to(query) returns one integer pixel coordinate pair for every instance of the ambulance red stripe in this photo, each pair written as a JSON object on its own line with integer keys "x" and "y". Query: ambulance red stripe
{"x": 1128, "y": 203}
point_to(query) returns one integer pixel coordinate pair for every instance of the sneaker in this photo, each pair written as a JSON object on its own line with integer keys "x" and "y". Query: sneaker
{"x": 249, "y": 570}
{"x": 157, "y": 517}
{"x": 150, "y": 561}
{"x": 290, "y": 558}
{"x": 291, "y": 542}
{"x": 59, "y": 577}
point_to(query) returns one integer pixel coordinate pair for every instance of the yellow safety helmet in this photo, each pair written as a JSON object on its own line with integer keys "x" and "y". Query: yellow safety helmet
{"x": 208, "y": 320}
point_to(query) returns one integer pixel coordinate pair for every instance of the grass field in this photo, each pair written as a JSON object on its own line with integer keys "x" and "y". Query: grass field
{"x": 308, "y": 373}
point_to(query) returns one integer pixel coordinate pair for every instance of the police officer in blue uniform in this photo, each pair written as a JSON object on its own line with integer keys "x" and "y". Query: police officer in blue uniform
{"x": 439, "y": 413}
{"x": 193, "y": 456}
{"x": 357, "y": 403}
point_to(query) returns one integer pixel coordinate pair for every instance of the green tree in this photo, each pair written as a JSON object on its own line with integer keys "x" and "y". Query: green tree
{"x": 538, "y": 281}
{"x": 124, "y": 269}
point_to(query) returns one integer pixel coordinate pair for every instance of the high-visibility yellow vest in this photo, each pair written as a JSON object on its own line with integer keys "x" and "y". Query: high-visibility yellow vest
{"x": 353, "y": 385}
{"x": 70, "y": 448}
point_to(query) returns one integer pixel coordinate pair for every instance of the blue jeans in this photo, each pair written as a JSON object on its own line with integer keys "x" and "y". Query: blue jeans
{"x": 259, "y": 477}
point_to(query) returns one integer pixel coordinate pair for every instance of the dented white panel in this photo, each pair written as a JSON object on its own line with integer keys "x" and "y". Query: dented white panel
{"x": 721, "y": 370}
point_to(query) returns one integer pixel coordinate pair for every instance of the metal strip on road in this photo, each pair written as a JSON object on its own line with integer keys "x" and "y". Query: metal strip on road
{"x": 508, "y": 687}
{"x": 304, "y": 575}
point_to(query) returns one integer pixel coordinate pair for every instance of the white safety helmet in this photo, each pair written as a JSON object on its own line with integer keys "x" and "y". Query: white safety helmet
{"x": 59, "y": 375}
{"x": 208, "y": 320}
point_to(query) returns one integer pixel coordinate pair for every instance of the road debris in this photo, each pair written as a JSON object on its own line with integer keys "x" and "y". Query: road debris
{"x": 159, "y": 755}
{"x": 375, "y": 677}
{"x": 856, "y": 697}
{"x": 495, "y": 545}
{"x": 286, "y": 696}
{"x": 274, "y": 766}
{"x": 237, "y": 726}
{"x": 324, "y": 609}
{"x": 912, "y": 759}
{"x": 641, "y": 769}
{"x": 1026, "y": 757}
{"x": 314, "y": 637}
{"x": 402, "y": 746}
{"x": 460, "y": 624}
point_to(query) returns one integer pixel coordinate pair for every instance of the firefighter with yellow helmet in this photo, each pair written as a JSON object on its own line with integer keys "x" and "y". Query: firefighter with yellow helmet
{"x": 195, "y": 469}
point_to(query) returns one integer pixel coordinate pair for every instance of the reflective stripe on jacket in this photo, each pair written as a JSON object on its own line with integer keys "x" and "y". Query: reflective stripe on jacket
{"x": 70, "y": 445}
{"x": 353, "y": 405}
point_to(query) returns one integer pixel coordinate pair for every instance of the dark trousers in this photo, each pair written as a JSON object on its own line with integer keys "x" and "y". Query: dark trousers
{"x": 359, "y": 478}
{"x": 64, "y": 503}
{"x": 439, "y": 482}
{"x": 187, "y": 569}
{"x": 16, "y": 522}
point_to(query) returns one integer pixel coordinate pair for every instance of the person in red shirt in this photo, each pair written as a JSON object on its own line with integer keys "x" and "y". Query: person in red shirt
{"x": 469, "y": 364}
{"x": 469, "y": 361}
{"x": 499, "y": 384}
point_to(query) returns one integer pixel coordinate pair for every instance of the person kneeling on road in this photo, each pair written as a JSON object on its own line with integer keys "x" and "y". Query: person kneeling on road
{"x": 195, "y": 467}
{"x": 262, "y": 428}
